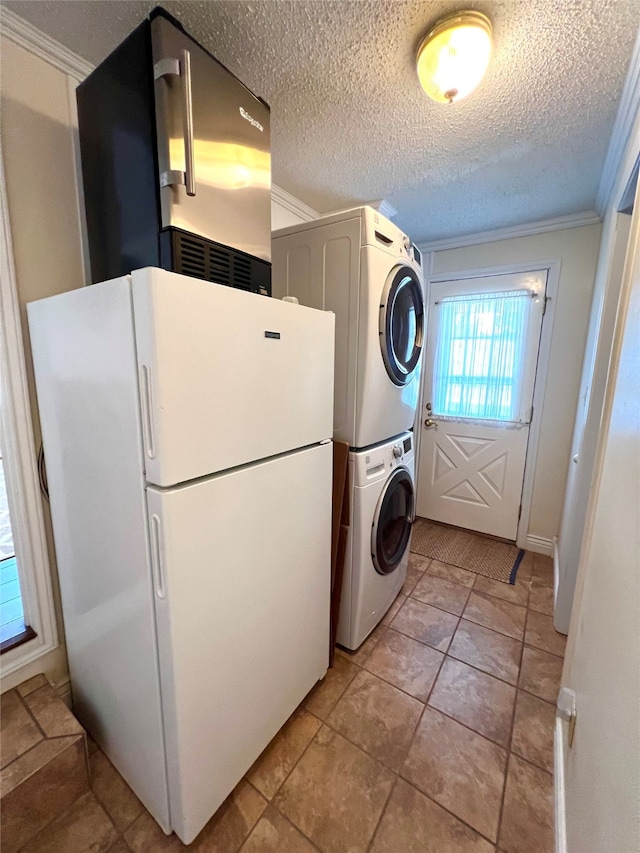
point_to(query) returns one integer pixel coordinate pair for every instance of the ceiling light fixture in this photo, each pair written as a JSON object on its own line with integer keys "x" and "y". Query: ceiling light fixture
{"x": 454, "y": 55}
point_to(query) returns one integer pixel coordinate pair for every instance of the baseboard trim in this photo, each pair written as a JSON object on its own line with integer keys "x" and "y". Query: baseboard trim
{"x": 558, "y": 787}
{"x": 539, "y": 545}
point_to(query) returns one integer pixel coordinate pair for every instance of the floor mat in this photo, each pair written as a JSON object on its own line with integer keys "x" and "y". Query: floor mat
{"x": 473, "y": 551}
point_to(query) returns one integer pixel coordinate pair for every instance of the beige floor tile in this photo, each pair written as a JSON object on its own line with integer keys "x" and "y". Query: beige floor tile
{"x": 533, "y": 730}
{"x": 426, "y": 624}
{"x": 327, "y": 692}
{"x": 540, "y": 674}
{"x": 414, "y": 824}
{"x": 541, "y": 599}
{"x": 391, "y": 612}
{"x": 84, "y": 827}
{"x": 541, "y": 634}
{"x": 452, "y": 573}
{"x": 487, "y": 650}
{"x": 279, "y": 758}
{"x": 51, "y": 714}
{"x": 232, "y": 823}
{"x": 526, "y": 566}
{"x": 527, "y": 819}
{"x": 517, "y": 593}
{"x": 459, "y": 769}
{"x": 117, "y": 798}
{"x": 494, "y": 613}
{"x": 419, "y": 562}
{"x": 274, "y": 834}
{"x": 362, "y": 653}
{"x": 145, "y": 836}
{"x": 18, "y": 732}
{"x": 40, "y": 785}
{"x": 377, "y": 717}
{"x": 119, "y": 846}
{"x": 405, "y": 663}
{"x": 413, "y": 576}
{"x": 441, "y": 593}
{"x": 542, "y": 572}
{"x": 32, "y": 684}
{"x": 336, "y": 794}
{"x": 476, "y": 699}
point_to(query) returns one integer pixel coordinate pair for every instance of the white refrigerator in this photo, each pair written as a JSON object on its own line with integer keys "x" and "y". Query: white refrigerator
{"x": 186, "y": 429}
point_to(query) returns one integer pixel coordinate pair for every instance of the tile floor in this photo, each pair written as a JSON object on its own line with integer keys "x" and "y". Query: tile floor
{"x": 436, "y": 736}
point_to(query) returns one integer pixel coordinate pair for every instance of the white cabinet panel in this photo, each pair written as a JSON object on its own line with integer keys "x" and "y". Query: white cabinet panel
{"x": 242, "y": 577}
{"x": 200, "y": 348}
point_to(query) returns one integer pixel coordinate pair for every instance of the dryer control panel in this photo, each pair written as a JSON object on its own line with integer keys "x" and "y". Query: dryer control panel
{"x": 376, "y": 462}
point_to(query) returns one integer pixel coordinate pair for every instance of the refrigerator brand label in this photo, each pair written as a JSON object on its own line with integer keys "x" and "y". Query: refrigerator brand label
{"x": 245, "y": 115}
{"x": 275, "y": 335}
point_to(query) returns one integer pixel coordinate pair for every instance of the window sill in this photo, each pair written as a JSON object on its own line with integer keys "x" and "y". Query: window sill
{"x": 18, "y": 640}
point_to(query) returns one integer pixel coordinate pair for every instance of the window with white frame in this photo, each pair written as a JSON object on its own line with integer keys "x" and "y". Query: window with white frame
{"x": 480, "y": 355}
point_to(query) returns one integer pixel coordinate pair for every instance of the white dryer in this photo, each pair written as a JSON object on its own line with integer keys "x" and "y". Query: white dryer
{"x": 382, "y": 513}
{"x": 364, "y": 269}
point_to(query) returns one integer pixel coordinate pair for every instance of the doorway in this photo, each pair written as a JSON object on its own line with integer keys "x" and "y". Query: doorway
{"x": 483, "y": 341}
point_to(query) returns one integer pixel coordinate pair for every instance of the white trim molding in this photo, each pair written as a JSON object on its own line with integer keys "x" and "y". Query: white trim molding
{"x": 20, "y": 464}
{"x": 559, "y": 786}
{"x": 623, "y": 125}
{"x": 293, "y": 204}
{"x": 539, "y": 545}
{"x": 23, "y": 33}
{"x": 557, "y": 223}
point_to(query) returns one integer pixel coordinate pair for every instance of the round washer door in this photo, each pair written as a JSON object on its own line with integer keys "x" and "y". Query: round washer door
{"x": 401, "y": 324}
{"x": 392, "y": 522}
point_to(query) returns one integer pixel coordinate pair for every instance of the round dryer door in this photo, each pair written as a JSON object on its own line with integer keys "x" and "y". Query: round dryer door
{"x": 392, "y": 522}
{"x": 401, "y": 324}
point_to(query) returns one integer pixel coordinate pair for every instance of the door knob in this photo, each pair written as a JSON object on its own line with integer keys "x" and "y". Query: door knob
{"x": 429, "y": 423}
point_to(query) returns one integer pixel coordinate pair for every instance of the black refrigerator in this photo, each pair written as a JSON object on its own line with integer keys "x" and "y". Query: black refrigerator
{"x": 176, "y": 162}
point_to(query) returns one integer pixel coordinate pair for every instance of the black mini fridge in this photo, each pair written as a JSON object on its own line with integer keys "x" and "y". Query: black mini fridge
{"x": 176, "y": 162}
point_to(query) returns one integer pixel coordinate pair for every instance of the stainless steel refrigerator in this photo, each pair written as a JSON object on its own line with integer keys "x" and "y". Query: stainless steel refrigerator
{"x": 176, "y": 162}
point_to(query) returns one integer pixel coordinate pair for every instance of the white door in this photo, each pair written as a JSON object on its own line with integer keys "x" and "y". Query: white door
{"x": 226, "y": 377}
{"x": 242, "y": 576}
{"x": 483, "y": 337}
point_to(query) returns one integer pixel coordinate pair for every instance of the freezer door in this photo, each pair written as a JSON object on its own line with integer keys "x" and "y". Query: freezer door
{"x": 213, "y": 146}
{"x": 226, "y": 377}
{"x": 242, "y": 579}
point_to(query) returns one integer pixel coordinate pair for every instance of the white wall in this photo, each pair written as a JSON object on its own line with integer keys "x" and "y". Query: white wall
{"x": 39, "y": 164}
{"x": 601, "y": 770}
{"x": 577, "y": 249}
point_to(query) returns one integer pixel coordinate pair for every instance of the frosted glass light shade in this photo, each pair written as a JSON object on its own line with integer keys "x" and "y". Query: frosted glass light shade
{"x": 453, "y": 57}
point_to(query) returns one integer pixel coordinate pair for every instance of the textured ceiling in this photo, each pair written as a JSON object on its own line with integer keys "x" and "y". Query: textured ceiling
{"x": 350, "y": 122}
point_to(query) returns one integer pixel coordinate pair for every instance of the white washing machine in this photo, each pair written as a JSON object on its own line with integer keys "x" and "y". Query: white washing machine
{"x": 382, "y": 513}
{"x": 359, "y": 265}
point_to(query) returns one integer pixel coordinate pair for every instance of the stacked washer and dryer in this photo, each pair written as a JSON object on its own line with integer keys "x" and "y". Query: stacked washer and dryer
{"x": 362, "y": 267}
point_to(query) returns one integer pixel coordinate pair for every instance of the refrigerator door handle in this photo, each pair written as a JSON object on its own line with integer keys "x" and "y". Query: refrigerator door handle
{"x": 189, "y": 162}
{"x": 147, "y": 417}
{"x": 156, "y": 556}
{"x": 181, "y": 68}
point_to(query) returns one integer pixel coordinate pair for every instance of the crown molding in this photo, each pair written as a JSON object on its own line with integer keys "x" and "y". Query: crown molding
{"x": 293, "y": 204}
{"x": 21, "y": 32}
{"x": 627, "y": 113}
{"x": 557, "y": 223}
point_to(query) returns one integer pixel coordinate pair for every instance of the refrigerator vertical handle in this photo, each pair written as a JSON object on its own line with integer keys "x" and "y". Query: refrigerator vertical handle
{"x": 172, "y": 67}
{"x": 190, "y": 172}
{"x": 156, "y": 557}
{"x": 147, "y": 416}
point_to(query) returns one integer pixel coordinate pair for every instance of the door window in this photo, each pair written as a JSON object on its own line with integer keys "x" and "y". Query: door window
{"x": 401, "y": 325}
{"x": 392, "y": 526}
{"x": 479, "y": 357}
